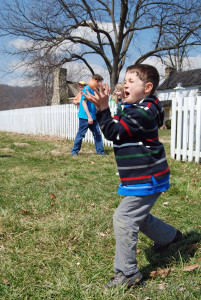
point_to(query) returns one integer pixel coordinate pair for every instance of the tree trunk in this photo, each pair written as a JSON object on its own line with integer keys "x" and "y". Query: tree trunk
{"x": 114, "y": 76}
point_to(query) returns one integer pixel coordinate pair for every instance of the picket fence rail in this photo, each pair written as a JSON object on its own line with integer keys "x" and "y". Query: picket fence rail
{"x": 56, "y": 120}
{"x": 186, "y": 128}
{"x": 62, "y": 120}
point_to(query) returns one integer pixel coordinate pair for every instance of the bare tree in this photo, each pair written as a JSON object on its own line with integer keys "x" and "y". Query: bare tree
{"x": 184, "y": 40}
{"x": 75, "y": 30}
{"x": 40, "y": 72}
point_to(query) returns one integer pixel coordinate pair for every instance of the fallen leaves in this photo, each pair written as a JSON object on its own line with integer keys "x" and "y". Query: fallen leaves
{"x": 191, "y": 268}
{"x": 165, "y": 272}
{"x": 2, "y": 248}
{"x": 193, "y": 246}
{"x": 5, "y": 281}
{"x": 25, "y": 211}
{"x": 105, "y": 208}
{"x": 162, "y": 286}
{"x": 161, "y": 272}
{"x": 52, "y": 196}
{"x": 55, "y": 153}
{"x": 7, "y": 150}
{"x": 21, "y": 144}
{"x": 102, "y": 234}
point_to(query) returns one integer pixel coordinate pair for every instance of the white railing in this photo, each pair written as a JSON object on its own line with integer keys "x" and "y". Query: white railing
{"x": 186, "y": 128}
{"x": 57, "y": 120}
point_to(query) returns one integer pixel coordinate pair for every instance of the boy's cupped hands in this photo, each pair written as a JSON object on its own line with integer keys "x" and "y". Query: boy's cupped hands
{"x": 101, "y": 97}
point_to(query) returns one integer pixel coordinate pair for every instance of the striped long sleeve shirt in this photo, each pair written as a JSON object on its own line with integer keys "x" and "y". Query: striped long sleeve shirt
{"x": 139, "y": 155}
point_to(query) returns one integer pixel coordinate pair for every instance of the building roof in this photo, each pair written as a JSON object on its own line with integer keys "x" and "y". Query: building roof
{"x": 166, "y": 103}
{"x": 186, "y": 78}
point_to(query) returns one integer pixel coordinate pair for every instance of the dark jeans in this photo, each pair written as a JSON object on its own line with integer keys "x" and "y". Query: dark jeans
{"x": 83, "y": 127}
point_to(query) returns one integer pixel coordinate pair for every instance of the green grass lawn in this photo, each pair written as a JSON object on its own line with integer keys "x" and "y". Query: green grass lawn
{"x": 56, "y": 233}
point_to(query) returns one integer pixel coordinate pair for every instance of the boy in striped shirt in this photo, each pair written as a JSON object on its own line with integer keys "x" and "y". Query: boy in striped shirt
{"x": 142, "y": 167}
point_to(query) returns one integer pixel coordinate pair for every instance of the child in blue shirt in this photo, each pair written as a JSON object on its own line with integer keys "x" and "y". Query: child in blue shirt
{"x": 87, "y": 120}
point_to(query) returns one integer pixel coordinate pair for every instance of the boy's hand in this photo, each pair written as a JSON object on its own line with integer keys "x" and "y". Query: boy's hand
{"x": 100, "y": 100}
{"x": 90, "y": 121}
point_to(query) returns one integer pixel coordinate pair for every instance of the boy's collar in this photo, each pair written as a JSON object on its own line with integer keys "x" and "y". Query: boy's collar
{"x": 127, "y": 105}
{"x": 149, "y": 97}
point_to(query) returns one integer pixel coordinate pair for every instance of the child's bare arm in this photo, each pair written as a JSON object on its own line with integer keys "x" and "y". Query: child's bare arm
{"x": 84, "y": 104}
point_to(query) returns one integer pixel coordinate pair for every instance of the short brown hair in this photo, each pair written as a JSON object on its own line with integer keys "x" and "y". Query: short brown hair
{"x": 146, "y": 73}
{"x": 97, "y": 77}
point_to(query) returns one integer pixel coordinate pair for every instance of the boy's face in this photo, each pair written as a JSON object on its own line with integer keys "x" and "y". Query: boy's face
{"x": 81, "y": 86}
{"x": 135, "y": 89}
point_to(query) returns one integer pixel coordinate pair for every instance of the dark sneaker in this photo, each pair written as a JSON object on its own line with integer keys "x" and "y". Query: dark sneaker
{"x": 160, "y": 248}
{"x": 120, "y": 279}
{"x": 73, "y": 154}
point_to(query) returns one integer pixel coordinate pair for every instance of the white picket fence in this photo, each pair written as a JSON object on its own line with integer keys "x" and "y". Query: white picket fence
{"x": 57, "y": 120}
{"x": 62, "y": 120}
{"x": 186, "y": 128}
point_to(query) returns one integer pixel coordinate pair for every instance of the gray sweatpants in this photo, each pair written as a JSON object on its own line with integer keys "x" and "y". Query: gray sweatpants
{"x": 131, "y": 216}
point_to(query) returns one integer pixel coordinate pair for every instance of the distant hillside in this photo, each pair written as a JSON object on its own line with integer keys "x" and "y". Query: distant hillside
{"x": 12, "y": 97}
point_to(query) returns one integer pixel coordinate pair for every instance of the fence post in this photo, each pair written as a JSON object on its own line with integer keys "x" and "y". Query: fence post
{"x": 173, "y": 127}
{"x": 185, "y": 129}
{"x": 191, "y": 129}
{"x": 198, "y": 131}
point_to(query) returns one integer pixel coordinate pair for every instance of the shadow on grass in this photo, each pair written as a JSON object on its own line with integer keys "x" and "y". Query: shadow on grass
{"x": 181, "y": 251}
{"x": 5, "y": 156}
{"x": 107, "y": 152}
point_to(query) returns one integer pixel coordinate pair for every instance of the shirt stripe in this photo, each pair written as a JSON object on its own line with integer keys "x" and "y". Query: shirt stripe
{"x": 149, "y": 104}
{"x": 127, "y": 145}
{"x": 142, "y": 166}
{"x": 162, "y": 172}
{"x": 126, "y": 127}
{"x": 138, "y": 154}
{"x": 145, "y": 177}
{"x": 144, "y": 186}
{"x": 154, "y": 139}
{"x": 142, "y": 128}
{"x": 145, "y": 114}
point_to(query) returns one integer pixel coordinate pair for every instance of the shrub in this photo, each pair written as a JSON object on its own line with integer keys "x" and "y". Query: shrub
{"x": 168, "y": 124}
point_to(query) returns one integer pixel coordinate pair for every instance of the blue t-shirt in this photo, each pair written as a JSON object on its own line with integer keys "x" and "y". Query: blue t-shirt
{"x": 91, "y": 107}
